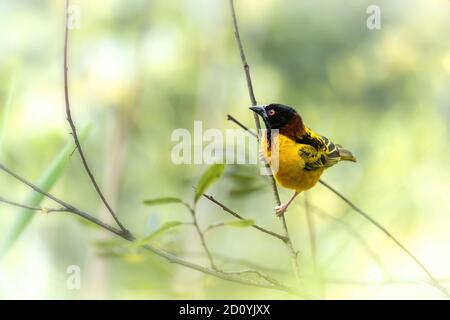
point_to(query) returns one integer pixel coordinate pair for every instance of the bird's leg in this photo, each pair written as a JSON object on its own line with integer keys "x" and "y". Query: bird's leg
{"x": 281, "y": 209}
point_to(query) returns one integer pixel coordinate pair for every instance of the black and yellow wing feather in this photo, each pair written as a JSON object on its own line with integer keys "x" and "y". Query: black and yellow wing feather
{"x": 318, "y": 152}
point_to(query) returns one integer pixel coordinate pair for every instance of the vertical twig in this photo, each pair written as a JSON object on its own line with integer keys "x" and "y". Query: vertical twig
{"x": 74, "y": 129}
{"x": 294, "y": 253}
{"x": 201, "y": 235}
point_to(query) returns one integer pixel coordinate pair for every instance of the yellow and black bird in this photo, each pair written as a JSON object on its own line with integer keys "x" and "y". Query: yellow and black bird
{"x": 297, "y": 155}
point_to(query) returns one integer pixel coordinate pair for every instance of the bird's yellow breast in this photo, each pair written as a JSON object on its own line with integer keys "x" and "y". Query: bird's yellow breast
{"x": 287, "y": 165}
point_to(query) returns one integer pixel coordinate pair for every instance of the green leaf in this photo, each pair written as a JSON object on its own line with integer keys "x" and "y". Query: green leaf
{"x": 159, "y": 201}
{"x": 209, "y": 177}
{"x": 240, "y": 223}
{"x": 47, "y": 180}
{"x": 156, "y": 233}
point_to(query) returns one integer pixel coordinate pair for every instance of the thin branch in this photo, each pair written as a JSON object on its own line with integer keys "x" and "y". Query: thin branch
{"x": 74, "y": 129}
{"x": 68, "y": 207}
{"x": 294, "y": 253}
{"x": 201, "y": 236}
{"x": 219, "y": 274}
{"x": 238, "y": 216}
{"x": 129, "y": 237}
{"x": 245, "y": 65}
{"x": 261, "y": 275}
{"x": 233, "y": 119}
{"x": 251, "y": 93}
{"x": 433, "y": 280}
{"x": 242, "y": 262}
{"x": 214, "y": 226}
{"x": 24, "y": 206}
{"x": 34, "y": 187}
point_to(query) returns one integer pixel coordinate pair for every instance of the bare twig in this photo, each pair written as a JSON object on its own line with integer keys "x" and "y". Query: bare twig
{"x": 242, "y": 262}
{"x": 24, "y": 206}
{"x": 244, "y": 63}
{"x": 214, "y": 226}
{"x": 233, "y": 119}
{"x": 294, "y": 253}
{"x": 74, "y": 129}
{"x": 67, "y": 206}
{"x": 201, "y": 235}
{"x": 219, "y": 274}
{"x": 240, "y": 124}
{"x": 261, "y": 275}
{"x": 238, "y": 216}
{"x": 433, "y": 280}
{"x": 129, "y": 237}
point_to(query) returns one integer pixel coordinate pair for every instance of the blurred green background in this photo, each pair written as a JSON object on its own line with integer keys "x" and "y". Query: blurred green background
{"x": 140, "y": 69}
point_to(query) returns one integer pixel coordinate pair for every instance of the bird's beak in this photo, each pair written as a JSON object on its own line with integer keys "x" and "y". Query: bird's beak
{"x": 260, "y": 110}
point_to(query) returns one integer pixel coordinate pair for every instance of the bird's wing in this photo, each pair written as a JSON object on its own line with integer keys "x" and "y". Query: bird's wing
{"x": 317, "y": 151}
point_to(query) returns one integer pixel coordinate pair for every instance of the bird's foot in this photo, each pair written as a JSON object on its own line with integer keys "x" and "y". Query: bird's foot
{"x": 261, "y": 157}
{"x": 280, "y": 210}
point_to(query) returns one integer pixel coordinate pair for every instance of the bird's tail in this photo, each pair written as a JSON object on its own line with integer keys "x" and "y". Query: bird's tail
{"x": 345, "y": 154}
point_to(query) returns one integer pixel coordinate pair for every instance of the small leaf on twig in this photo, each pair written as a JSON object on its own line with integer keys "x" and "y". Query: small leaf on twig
{"x": 156, "y": 233}
{"x": 159, "y": 201}
{"x": 209, "y": 177}
{"x": 233, "y": 223}
{"x": 239, "y": 223}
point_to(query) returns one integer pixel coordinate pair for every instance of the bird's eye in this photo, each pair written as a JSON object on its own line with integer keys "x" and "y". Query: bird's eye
{"x": 271, "y": 112}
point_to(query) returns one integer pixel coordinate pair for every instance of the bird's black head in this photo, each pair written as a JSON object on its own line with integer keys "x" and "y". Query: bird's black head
{"x": 275, "y": 115}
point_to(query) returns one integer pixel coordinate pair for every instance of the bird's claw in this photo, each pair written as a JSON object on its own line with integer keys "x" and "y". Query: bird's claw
{"x": 261, "y": 157}
{"x": 280, "y": 210}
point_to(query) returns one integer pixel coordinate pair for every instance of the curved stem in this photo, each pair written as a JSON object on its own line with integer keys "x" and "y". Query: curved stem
{"x": 238, "y": 216}
{"x": 74, "y": 129}
{"x": 201, "y": 235}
